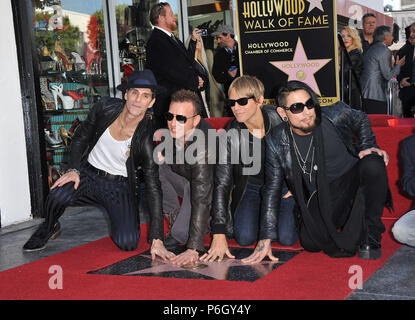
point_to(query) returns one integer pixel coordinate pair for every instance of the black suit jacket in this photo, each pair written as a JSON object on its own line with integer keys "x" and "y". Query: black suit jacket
{"x": 172, "y": 65}
{"x": 406, "y": 71}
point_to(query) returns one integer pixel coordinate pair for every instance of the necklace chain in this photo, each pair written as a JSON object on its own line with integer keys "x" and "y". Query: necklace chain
{"x": 303, "y": 162}
{"x": 128, "y": 141}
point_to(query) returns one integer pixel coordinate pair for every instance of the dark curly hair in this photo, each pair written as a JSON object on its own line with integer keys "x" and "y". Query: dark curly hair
{"x": 295, "y": 85}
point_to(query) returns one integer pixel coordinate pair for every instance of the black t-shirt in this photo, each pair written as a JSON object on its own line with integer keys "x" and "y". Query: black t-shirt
{"x": 337, "y": 159}
{"x": 304, "y": 150}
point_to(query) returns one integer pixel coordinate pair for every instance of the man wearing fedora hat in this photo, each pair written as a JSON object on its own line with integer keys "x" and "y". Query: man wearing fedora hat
{"x": 110, "y": 155}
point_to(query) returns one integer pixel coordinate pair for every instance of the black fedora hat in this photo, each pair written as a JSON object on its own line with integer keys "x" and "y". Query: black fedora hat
{"x": 141, "y": 79}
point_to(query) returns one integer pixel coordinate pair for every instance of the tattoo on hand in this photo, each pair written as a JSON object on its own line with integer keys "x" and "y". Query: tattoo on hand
{"x": 261, "y": 247}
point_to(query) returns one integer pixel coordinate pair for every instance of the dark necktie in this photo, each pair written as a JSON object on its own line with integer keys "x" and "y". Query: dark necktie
{"x": 174, "y": 38}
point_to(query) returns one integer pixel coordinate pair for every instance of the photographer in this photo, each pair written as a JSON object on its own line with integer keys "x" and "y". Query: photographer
{"x": 226, "y": 61}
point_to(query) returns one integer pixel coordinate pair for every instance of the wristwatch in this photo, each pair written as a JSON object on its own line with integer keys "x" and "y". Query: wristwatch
{"x": 74, "y": 170}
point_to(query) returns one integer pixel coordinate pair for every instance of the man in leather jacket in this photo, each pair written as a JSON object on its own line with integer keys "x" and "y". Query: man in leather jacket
{"x": 340, "y": 187}
{"x": 110, "y": 154}
{"x": 234, "y": 184}
{"x": 186, "y": 171}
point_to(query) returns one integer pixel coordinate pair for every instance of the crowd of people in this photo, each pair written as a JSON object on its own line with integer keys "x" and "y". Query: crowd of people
{"x": 273, "y": 174}
{"x": 372, "y": 65}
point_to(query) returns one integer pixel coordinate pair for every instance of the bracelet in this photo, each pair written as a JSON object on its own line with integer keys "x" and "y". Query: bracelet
{"x": 200, "y": 252}
{"x": 74, "y": 170}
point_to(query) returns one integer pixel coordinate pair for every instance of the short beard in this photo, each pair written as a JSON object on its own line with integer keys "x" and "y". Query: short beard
{"x": 307, "y": 130}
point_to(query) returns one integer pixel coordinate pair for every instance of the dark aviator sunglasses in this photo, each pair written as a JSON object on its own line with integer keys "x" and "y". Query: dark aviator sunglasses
{"x": 298, "y": 107}
{"x": 179, "y": 118}
{"x": 240, "y": 101}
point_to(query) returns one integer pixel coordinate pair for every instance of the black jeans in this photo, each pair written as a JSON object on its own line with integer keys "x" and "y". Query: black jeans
{"x": 247, "y": 216}
{"x": 374, "y": 181}
{"x": 367, "y": 177}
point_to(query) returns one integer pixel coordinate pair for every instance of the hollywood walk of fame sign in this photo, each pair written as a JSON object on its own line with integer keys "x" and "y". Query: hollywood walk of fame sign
{"x": 283, "y": 40}
{"x": 228, "y": 269}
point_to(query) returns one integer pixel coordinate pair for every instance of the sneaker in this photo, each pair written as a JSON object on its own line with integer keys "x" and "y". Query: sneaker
{"x": 41, "y": 236}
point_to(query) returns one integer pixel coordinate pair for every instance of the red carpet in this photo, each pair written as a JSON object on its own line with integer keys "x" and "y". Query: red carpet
{"x": 306, "y": 276}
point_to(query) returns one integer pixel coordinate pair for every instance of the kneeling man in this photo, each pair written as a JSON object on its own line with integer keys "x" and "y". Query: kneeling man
{"x": 341, "y": 187}
{"x": 186, "y": 171}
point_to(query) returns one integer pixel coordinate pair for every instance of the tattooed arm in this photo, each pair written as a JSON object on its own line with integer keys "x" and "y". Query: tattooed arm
{"x": 263, "y": 249}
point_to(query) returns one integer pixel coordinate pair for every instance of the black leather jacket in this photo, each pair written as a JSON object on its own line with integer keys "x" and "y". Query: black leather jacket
{"x": 230, "y": 182}
{"x": 278, "y": 163}
{"x": 200, "y": 175}
{"x": 140, "y": 164}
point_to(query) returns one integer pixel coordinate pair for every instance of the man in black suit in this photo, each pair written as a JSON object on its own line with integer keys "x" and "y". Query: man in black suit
{"x": 406, "y": 77}
{"x": 169, "y": 60}
{"x": 368, "y": 28}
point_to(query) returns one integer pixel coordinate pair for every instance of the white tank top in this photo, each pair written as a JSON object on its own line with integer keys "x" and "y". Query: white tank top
{"x": 110, "y": 155}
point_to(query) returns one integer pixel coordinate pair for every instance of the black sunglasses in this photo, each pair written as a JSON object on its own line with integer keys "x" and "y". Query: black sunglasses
{"x": 181, "y": 119}
{"x": 240, "y": 101}
{"x": 298, "y": 107}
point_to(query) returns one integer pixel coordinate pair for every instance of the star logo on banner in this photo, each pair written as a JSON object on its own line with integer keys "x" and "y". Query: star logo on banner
{"x": 301, "y": 68}
{"x": 315, "y": 4}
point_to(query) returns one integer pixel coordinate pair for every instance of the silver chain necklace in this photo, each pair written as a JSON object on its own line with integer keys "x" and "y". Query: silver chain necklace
{"x": 303, "y": 162}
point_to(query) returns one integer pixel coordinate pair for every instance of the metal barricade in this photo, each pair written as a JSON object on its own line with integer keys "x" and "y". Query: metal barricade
{"x": 394, "y": 103}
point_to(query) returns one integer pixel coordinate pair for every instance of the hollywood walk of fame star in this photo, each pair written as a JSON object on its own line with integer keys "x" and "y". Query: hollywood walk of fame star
{"x": 215, "y": 270}
{"x": 228, "y": 269}
{"x": 315, "y": 4}
{"x": 301, "y": 68}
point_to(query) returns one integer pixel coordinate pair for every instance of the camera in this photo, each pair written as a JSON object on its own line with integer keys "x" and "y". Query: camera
{"x": 203, "y": 32}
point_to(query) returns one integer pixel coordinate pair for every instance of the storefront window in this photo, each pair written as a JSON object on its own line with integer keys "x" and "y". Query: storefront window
{"x": 74, "y": 42}
{"x": 133, "y": 28}
{"x": 72, "y": 67}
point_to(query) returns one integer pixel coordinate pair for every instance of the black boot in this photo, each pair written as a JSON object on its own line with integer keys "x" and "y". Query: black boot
{"x": 370, "y": 249}
{"x": 41, "y": 236}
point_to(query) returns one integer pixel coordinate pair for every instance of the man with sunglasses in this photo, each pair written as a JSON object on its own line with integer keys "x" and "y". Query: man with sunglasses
{"x": 110, "y": 160}
{"x": 186, "y": 171}
{"x": 173, "y": 65}
{"x": 340, "y": 186}
{"x": 236, "y": 204}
